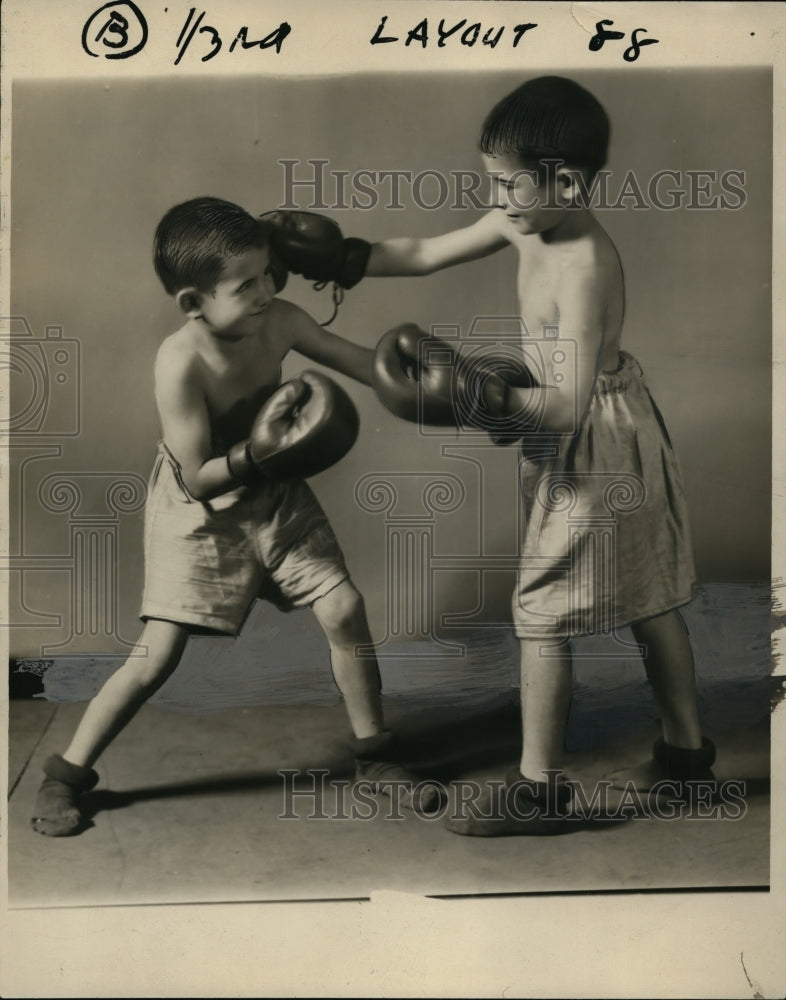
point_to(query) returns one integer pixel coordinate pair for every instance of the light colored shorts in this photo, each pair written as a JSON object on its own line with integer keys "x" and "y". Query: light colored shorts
{"x": 606, "y": 533}
{"x": 206, "y": 563}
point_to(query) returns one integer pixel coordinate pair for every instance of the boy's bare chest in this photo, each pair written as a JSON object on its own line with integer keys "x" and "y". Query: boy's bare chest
{"x": 230, "y": 377}
{"x": 537, "y": 286}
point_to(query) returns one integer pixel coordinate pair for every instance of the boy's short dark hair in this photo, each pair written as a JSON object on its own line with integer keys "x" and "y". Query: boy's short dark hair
{"x": 194, "y": 240}
{"x": 549, "y": 117}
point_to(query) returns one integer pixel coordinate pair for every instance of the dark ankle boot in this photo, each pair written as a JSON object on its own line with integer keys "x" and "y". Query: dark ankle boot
{"x": 57, "y": 812}
{"x": 373, "y": 748}
{"x": 689, "y": 770}
{"x": 679, "y": 764}
{"x": 378, "y": 761}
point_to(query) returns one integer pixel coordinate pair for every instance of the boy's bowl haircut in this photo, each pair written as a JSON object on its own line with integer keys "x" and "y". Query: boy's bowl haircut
{"x": 549, "y": 117}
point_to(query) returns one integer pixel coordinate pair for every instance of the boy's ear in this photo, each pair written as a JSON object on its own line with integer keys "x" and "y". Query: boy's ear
{"x": 190, "y": 301}
{"x": 567, "y": 182}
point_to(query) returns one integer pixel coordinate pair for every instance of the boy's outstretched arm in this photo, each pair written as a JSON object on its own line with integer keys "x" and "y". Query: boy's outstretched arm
{"x": 318, "y": 344}
{"x": 423, "y": 379}
{"x": 424, "y": 255}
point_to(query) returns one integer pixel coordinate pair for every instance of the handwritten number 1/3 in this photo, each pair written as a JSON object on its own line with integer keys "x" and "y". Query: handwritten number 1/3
{"x": 273, "y": 39}
{"x": 603, "y": 35}
{"x": 183, "y": 45}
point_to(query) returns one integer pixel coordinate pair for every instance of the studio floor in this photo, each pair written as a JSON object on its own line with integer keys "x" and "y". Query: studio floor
{"x": 191, "y": 809}
{"x": 192, "y": 805}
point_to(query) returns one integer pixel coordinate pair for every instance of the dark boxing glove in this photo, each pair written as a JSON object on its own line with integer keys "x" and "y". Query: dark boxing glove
{"x": 422, "y": 379}
{"x": 313, "y": 245}
{"x": 306, "y": 426}
{"x": 277, "y": 269}
{"x": 486, "y": 401}
{"x": 414, "y": 376}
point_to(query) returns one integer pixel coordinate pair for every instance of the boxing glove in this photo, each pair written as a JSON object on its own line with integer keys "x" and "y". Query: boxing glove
{"x": 306, "y": 426}
{"x": 414, "y": 376}
{"x": 313, "y": 245}
{"x": 424, "y": 380}
{"x": 277, "y": 270}
{"x": 486, "y": 397}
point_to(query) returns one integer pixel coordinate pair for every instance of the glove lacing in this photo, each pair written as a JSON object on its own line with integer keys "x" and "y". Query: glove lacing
{"x": 338, "y": 298}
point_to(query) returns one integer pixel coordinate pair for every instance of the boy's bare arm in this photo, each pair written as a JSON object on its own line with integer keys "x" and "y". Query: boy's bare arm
{"x": 415, "y": 256}
{"x": 326, "y": 348}
{"x": 185, "y": 425}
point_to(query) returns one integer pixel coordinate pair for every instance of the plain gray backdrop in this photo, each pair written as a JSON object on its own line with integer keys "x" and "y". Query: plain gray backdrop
{"x": 95, "y": 166}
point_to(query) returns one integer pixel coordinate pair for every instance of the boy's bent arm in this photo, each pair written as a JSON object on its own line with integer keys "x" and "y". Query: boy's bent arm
{"x": 416, "y": 256}
{"x": 185, "y": 426}
{"x": 563, "y": 399}
{"x": 314, "y": 342}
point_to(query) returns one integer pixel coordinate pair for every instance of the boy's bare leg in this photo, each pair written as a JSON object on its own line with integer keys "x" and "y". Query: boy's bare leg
{"x": 157, "y": 654}
{"x": 155, "y": 657}
{"x": 342, "y": 614}
{"x": 681, "y": 755}
{"x": 668, "y": 660}
{"x": 533, "y": 800}
{"x": 546, "y": 687}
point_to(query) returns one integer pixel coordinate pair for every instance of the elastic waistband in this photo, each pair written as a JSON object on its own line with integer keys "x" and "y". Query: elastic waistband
{"x": 225, "y": 500}
{"x": 164, "y": 455}
{"x": 627, "y": 372}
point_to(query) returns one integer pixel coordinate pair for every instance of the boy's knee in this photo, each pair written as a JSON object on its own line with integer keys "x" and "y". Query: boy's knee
{"x": 341, "y": 612}
{"x": 158, "y": 654}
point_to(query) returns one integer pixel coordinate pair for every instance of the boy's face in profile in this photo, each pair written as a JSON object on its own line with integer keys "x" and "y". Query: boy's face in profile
{"x": 241, "y": 295}
{"x": 530, "y": 199}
